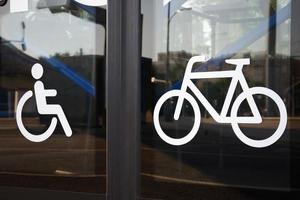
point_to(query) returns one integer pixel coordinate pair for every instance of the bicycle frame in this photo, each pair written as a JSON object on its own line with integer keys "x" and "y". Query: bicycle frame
{"x": 237, "y": 77}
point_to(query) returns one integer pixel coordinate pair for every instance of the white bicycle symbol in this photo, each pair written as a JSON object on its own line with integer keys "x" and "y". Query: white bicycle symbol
{"x": 237, "y": 77}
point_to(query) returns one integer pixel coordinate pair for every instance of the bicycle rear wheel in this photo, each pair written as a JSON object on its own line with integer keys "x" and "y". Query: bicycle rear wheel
{"x": 282, "y": 117}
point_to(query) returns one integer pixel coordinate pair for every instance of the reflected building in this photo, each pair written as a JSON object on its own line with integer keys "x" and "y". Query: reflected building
{"x": 16, "y": 79}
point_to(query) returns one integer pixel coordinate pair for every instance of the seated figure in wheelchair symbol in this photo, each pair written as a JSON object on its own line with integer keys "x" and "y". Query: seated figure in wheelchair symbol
{"x": 43, "y": 108}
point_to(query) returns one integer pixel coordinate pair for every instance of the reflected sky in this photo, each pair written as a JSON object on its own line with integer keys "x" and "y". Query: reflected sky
{"x": 61, "y": 32}
{"x": 208, "y": 26}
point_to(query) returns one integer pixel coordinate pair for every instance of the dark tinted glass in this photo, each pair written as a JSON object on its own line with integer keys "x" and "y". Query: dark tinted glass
{"x": 68, "y": 40}
{"x": 219, "y": 156}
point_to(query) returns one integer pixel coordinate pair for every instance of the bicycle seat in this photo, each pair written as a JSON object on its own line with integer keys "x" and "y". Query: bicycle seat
{"x": 238, "y": 62}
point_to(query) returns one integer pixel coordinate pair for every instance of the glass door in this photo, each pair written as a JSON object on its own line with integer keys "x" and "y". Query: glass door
{"x": 191, "y": 147}
{"x": 149, "y": 99}
{"x": 60, "y": 45}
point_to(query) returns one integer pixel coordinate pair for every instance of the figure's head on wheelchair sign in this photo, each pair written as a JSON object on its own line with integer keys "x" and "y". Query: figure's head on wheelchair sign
{"x": 3, "y": 2}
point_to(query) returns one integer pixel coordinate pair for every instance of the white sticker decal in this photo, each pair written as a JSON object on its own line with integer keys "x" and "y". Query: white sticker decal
{"x": 247, "y": 94}
{"x": 93, "y": 2}
{"x": 18, "y": 6}
{"x": 40, "y": 94}
{"x": 166, "y": 2}
{"x": 22, "y": 5}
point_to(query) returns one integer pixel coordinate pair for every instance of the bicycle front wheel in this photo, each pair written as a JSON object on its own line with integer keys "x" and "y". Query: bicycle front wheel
{"x": 282, "y": 117}
{"x": 157, "y": 125}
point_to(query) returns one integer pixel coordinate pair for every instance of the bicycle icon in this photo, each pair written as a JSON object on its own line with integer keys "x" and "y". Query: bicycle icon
{"x": 247, "y": 93}
{"x": 40, "y": 94}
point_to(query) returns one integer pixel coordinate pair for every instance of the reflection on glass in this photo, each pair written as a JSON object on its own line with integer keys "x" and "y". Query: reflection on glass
{"x": 216, "y": 162}
{"x": 68, "y": 39}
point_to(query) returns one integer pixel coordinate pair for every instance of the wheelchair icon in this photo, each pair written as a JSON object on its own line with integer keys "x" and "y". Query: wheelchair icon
{"x": 40, "y": 94}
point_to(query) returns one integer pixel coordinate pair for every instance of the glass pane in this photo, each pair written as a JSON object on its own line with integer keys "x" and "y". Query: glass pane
{"x": 67, "y": 40}
{"x": 219, "y": 98}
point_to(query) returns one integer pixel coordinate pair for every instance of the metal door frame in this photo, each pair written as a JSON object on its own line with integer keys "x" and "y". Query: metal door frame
{"x": 123, "y": 99}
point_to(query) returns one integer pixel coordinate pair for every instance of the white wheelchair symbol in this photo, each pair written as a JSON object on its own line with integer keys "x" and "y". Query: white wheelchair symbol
{"x": 237, "y": 77}
{"x": 40, "y": 94}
